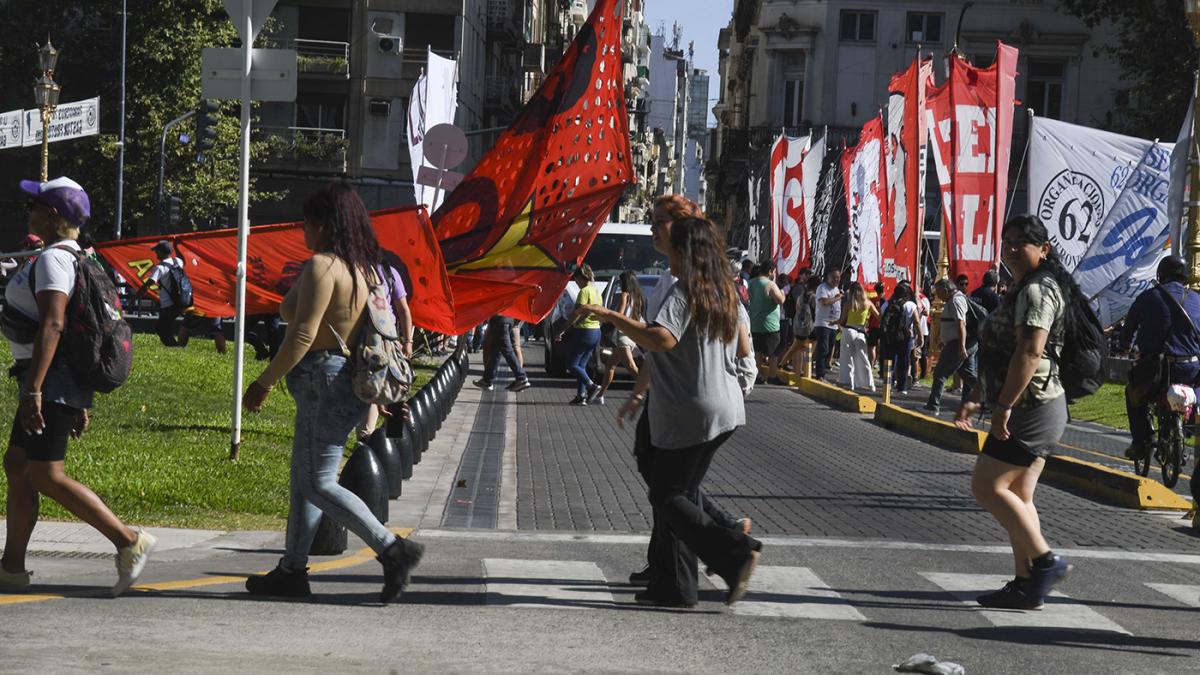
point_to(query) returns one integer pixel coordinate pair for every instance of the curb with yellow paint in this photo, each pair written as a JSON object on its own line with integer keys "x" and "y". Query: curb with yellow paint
{"x": 837, "y": 397}
{"x": 1113, "y": 486}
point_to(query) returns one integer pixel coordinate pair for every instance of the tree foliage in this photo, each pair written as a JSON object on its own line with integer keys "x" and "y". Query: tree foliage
{"x": 1157, "y": 56}
{"x": 164, "y": 41}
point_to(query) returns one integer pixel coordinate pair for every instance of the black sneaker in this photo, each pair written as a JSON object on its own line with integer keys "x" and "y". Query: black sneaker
{"x": 640, "y": 578}
{"x": 647, "y": 600}
{"x": 519, "y": 385}
{"x": 579, "y": 400}
{"x": 399, "y": 560}
{"x": 483, "y": 384}
{"x": 739, "y": 583}
{"x": 1014, "y": 595}
{"x": 1043, "y": 579}
{"x": 932, "y": 408}
{"x": 280, "y": 583}
{"x": 592, "y": 391}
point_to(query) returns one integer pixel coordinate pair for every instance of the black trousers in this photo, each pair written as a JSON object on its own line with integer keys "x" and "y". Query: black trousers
{"x": 683, "y": 529}
{"x": 165, "y": 325}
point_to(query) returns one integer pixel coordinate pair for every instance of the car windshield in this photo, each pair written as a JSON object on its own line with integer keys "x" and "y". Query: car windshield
{"x": 614, "y": 253}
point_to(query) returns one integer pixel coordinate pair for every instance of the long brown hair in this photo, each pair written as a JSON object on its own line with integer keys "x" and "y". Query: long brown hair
{"x": 678, "y": 207}
{"x": 338, "y": 207}
{"x": 633, "y": 290}
{"x": 704, "y": 274}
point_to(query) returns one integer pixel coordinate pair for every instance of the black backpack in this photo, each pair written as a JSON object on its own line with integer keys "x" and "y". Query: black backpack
{"x": 1080, "y": 359}
{"x": 976, "y": 315}
{"x": 177, "y": 283}
{"x": 896, "y": 329}
{"x": 97, "y": 343}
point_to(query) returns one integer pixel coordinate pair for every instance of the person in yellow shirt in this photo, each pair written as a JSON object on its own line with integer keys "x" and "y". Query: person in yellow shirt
{"x": 585, "y": 335}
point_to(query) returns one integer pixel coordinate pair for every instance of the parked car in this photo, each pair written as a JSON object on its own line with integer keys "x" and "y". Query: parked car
{"x": 618, "y": 247}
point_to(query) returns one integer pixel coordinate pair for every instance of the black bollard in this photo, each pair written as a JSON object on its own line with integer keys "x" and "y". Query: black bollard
{"x": 389, "y": 456}
{"x": 425, "y": 405}
{"x": 363, "y": 475}
{"x": 413, "y": 428}
{"x": 404, "y": 447}
{"x": 330, "y": 538}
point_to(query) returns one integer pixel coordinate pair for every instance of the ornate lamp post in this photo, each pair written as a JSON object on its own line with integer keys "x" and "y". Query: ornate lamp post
{"x": 45, "y": 94}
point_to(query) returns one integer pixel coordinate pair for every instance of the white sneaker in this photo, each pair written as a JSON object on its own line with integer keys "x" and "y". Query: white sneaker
{"x": 131, "y": 560}
{"x": 599, "y": 400}
{"x": 14, "y": 581}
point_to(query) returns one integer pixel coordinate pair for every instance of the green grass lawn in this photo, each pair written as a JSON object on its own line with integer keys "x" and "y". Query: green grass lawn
{"x": 1106, "y": 406}
{"x": 158, "y": 448}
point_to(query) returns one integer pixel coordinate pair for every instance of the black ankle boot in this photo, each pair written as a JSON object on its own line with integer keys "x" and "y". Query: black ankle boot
{"x": 280, "y": 583}
{"x": 399, "y": 560}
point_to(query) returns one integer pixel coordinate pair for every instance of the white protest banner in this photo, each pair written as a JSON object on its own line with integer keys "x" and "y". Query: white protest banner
{"x": 12, "y": 132}
{"x": 1179, "y": 179}
{"x": 1133, "y": 238}
{"x": 434, "y": 101}
{"x": 70, "y": 120}
{"x": 1074, "y": 181}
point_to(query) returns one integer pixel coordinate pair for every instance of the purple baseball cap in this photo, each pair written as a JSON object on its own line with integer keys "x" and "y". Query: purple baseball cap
{"x": 63, "y": 195}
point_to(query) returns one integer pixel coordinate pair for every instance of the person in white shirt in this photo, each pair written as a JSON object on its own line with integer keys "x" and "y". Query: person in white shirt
{"x": 169, "y": 307}
{"x": 53, "y": 407}
{"x": 828, "y": 313}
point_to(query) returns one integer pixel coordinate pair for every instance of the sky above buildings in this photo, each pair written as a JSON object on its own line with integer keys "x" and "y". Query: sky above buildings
{"x": 701, "y": 20}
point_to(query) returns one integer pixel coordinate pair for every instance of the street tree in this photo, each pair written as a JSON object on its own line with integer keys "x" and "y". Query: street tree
{"x": 1157, "y": 57}
{"x": 164, "y": 41}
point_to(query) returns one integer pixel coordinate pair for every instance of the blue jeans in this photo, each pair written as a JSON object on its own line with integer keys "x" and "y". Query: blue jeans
{"x": 326, "y": 412}
{"x": 583, "y": 342}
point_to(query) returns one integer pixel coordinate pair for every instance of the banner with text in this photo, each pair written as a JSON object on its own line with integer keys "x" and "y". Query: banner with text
{"x": 12, "y": 131}
{"x": 970, "y": 128}
{"x": 790, "y": 236}
{"x": 906, "y": 148}
{"x": 865, "y": 175}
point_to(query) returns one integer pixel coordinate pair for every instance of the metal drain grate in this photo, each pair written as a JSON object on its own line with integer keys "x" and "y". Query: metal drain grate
{"x": 72, "y": 555}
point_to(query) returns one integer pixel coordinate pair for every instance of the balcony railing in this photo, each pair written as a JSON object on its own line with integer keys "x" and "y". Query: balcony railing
{"x": 322, "y": 57}
{"x": 304, "y": 149}
{"x": 501, "y": 20}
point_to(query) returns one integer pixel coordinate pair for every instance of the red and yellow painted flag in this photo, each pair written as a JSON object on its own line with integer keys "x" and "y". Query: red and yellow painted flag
{"x": 865, "y": 175}
{"x": 791, "y": 240}
{"x": 971, "y": 123}
{"x": 906, "y": 143}
{"x": 528, "y": 212}
{"x": 276, "y": 254}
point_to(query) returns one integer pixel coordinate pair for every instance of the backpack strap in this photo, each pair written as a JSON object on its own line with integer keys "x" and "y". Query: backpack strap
{"x": 1179, "y": 306}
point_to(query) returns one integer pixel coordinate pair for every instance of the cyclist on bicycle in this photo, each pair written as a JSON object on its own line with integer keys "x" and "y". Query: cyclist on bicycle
{"x": 1164, "y": 320}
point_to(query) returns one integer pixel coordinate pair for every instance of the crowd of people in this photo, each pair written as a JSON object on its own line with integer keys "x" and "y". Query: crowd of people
{"x": 695, "y": 328}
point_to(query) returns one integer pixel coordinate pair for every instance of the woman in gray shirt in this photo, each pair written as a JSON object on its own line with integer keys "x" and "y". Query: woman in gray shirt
{"x": 693, "y": 343}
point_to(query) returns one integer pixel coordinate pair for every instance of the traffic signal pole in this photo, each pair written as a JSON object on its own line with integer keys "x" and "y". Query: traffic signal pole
{"x": 162, "y": 165}
{"x": 239, "y": 325}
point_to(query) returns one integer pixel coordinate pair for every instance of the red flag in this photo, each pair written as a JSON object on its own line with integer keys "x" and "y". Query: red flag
{"x": 906, "y": 144}
{"x": 865, "y": 175}
{"x": 529, "y": 211}
{"x": 275, "y": 255}
{"x": 970, "y": 117}
{"x": 790, "y": 238}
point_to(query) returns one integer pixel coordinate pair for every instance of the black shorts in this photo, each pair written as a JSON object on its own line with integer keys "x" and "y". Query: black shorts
{"x": 1012, "y": 451}
{"x": 765, "y": 343}
{"x": 51, "y": 444}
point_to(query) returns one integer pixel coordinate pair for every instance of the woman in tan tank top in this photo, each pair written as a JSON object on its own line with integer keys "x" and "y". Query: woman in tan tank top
{"x": 330, "y": 295}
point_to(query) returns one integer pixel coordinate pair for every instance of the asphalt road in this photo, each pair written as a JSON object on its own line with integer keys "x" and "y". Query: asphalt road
{"x": 872, "y": 545}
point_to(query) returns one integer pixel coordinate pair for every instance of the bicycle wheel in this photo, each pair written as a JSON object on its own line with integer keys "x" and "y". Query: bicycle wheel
{"x": 1141, "y": 463}
{"x": 1172, "y": 449}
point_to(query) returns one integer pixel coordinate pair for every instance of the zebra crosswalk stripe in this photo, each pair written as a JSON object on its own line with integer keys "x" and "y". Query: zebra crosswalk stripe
{"x": 792, "y": 592}
{"x": 1185, "y": 594}
{"x": 563, "y": 584}
{"x": 1059, "y": 611}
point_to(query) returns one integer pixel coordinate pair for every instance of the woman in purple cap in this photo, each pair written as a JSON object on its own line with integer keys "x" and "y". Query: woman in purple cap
{"x": 53, "y": 406}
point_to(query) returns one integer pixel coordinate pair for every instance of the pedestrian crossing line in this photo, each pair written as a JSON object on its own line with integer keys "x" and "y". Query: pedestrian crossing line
{"x": 793, "y": 593}
{"x": 562, "y": 584}
{"x": 1059, "y": 611}
{"x": 1183, "y": 593}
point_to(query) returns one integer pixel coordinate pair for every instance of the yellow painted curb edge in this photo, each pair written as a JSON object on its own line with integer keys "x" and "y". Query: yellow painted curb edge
{"x": 931, "y": 429}
{"x": 1113, "y": 486}
{"x": 837, "y": 397}
{"x": 1118, "y": 487}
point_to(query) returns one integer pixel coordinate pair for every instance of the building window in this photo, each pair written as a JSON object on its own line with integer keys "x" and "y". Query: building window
{"x": 320, "y": 111}
{"x": 858, "y": 26}
{"x": 1044, "y": 88}
{"x": 435, "y": 31}
{"x": 924, "y": 28}
{"x": 323, "y": 23}
{"x": 793, "y": 98}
